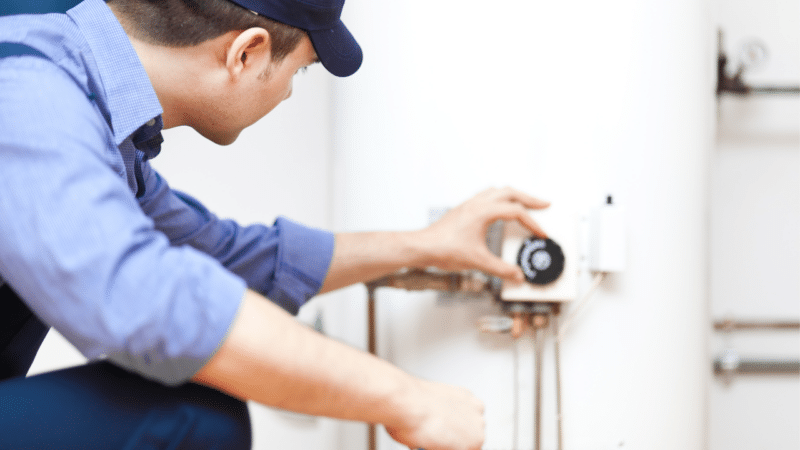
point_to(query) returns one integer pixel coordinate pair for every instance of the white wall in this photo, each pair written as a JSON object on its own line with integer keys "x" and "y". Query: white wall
{"x": 755, "y": 229}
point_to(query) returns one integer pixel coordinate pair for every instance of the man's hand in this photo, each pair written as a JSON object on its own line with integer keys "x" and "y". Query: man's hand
{"x": 457, "y": 241}
{"x": 444, "y": 418}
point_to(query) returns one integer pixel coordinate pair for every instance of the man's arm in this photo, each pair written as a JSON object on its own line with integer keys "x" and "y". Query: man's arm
{"x": 286, "y": 262}
{"x": 270, "y": 358}
{"x": 456, "y": 242}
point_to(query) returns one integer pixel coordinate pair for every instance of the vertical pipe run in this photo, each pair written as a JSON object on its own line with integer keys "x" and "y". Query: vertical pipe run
{"x": 559, "y": 422}
{"x": 537, "y": 400}
{"x": 373, "y": 349}
{"x": 515, "y": 396}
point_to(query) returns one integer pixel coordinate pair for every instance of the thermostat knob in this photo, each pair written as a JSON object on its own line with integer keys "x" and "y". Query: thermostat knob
{"x": 541, "y": 260}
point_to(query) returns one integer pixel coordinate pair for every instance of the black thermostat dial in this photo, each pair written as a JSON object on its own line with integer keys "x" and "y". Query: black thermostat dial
{"x": 541, "y": 260}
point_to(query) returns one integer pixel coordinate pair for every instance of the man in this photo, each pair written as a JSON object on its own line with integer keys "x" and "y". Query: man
{"x": 167, "y": 298}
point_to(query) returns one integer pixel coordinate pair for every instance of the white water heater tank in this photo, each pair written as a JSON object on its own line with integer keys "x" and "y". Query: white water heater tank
{"x": 568, "y": 101}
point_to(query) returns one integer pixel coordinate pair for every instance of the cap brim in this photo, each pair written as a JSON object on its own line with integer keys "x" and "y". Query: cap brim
{"x": 337, "y": 50}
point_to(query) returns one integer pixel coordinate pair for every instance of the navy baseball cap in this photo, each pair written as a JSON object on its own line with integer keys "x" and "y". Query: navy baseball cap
{"x": 336, "y": 48}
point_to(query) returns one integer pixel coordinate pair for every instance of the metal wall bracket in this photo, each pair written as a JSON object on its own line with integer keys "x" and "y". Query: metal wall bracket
{"x": 752, "y": 54}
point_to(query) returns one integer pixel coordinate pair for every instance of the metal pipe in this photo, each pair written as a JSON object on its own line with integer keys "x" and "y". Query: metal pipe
{"x": 539, "y": 323}
{"x": 515, "y": 397}
{"x": 414, "y": 280}
{"x": 373, "y": 349}
{"x": 736, "y": 87}
{"x": 729, "y": 325}
{"x": 422, "y": 280}
{"x": 774, "y": 90}
{"x": 557, "y": 350}
{"x": 537, "y": 399}
{"x": 723, "y": 366}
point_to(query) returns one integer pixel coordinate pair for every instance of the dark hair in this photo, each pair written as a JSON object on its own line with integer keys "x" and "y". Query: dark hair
{"x": 183, "y": 23}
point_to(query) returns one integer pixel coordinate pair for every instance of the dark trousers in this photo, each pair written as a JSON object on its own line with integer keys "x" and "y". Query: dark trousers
{"x": 100, "y": 406}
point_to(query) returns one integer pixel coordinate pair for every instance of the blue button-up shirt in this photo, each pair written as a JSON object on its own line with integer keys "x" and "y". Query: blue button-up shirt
{"x": 93, "y": 238}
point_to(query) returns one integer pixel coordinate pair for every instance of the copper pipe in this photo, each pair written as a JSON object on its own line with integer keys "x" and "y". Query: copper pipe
{"x": 414, "y": 280}
{"x": 519, "y": 324}
{"x": 540, "y": 321}
{"x": 373, "y": 349}
{"x": 421, "y": 280}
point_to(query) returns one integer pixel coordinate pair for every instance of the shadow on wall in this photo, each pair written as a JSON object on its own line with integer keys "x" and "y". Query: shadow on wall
{"x": 35, "y": 6}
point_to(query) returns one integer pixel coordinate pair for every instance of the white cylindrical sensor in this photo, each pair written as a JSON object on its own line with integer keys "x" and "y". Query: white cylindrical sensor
{"x": 608, "y": 243}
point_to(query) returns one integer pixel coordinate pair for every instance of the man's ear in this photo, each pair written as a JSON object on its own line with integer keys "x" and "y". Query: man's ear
{"x": 249, "y": 50}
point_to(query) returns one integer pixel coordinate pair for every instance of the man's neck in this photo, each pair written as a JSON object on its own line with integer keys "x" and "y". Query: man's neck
{"x": 180, "y": 75}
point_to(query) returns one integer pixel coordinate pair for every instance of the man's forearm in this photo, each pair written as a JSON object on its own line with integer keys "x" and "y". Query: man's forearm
{"x": 272, "y": 359}
{"x": 360, "y": 257}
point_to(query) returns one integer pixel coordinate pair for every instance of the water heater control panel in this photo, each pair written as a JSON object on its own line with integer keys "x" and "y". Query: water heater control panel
{"x": 550, "y": 265}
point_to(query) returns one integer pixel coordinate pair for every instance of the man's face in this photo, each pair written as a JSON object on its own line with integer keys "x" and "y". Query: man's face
{"x": 276, "y": 83}
{"x": 257, "y": 94}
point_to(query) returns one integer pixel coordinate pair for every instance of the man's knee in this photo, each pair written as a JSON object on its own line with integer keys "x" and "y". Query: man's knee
{"x": 101, "y": 406}
{"x": 203, "y": 422}
{"x": 212, "y": 420}
{"x": 225, "y": 427}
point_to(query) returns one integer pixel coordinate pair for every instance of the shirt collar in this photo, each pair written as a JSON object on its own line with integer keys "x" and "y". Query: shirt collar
{"x": 128, "y": 93}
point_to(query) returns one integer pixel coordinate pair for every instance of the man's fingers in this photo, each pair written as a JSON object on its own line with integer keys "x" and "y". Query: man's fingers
{"x": 515, "y": 211}
{"x": 510, "y": 194}
{"x": 531, "y": 224}
{"x": 493, "y": 265}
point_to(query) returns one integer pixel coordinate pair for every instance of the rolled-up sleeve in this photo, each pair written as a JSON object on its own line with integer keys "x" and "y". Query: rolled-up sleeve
{"x": 286, "y": 262}
{"x": 76, "y": 246}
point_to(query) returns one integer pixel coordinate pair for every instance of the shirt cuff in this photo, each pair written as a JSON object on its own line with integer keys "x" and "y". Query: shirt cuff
{"x": 204, "y": 313}
{"x": 304, "y": 257}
